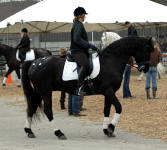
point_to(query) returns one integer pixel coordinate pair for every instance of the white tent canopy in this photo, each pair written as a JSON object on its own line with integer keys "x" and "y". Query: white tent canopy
{"x": 99, "y": 11}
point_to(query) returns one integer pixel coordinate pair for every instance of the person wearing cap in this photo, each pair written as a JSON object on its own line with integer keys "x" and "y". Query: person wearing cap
{"x": 79, "y": 47}
{"x": 24, "y": 45}
{"x": 131, "y": 29}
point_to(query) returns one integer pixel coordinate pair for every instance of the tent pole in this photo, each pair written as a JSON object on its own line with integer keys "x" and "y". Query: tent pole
{"x": 45, "y": 39}
{"x": 8, "y": 34}
{"x": 21, "y": 26}
{"x": 143, "y": 31}
{"x": 92, "y": 38}
{"x": 158, "y": 33}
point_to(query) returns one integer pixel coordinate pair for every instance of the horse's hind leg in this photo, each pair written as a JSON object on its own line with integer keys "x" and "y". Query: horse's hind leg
{"x": 6, "y": 76}
{"x": 31, "y": 110}
{"x": 19, "y": 77}
{"x": 48, "y": 112}
{"x": 110, "y": 99}
{"x": 27, "y": 128}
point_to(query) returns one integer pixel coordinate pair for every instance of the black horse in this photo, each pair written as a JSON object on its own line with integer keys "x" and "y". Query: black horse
{"x": 43, "y": 76}
{"x": 10, "y": 55}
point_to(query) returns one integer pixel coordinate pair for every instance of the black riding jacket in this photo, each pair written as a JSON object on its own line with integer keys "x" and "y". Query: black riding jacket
{"x": 132, "y": 31}
{"x": 24, "y": 43}
{"x": 79, "y": 38}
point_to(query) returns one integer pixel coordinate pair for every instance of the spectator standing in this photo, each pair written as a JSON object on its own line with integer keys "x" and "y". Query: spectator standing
{"x": 74, "y": 105}
{"x": 155, "y": 58}
{"x": 62, "y": 53}
{"x": 126, "y": 90}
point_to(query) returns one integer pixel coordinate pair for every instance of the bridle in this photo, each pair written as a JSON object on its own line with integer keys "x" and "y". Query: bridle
{"x": 141, "y": 66}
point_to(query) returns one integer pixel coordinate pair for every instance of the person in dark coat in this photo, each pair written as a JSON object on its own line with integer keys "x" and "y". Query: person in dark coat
{"x": 126, "y": 90}
{"x": 131, "y": 29}
{"x": 24, "y": 45}
{"x": 79, "y": 47}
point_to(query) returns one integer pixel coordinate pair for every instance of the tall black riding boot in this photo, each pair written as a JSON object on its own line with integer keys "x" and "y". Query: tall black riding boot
{"x": 81, "y": 78}
{"x": 154, "y": 90}
{"x": 22, "y": 57}
{"x": 148, "y": 93}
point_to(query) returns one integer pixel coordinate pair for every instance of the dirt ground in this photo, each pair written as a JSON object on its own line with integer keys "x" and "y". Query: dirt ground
{"x": 147, "y": 118}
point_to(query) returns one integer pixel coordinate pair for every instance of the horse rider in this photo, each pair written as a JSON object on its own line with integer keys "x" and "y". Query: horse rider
{"x": 131, "y": 29}
{"x": 24, "y": 45}
{"x": 79, "y": 47}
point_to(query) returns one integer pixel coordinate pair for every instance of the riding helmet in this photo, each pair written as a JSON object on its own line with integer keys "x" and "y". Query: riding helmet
{"x": 79, "y": 11}
{"x": 24, "y": 30}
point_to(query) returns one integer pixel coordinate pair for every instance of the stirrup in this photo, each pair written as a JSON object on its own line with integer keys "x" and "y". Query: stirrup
{"x": 80, "y": 91}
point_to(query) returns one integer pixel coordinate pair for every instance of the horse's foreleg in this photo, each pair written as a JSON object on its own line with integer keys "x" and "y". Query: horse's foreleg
{"x": 48, "y": 112}
{"x": 6, "y": 76}
{"x": 110, "y": 99}
{"x": 19, "y": 77}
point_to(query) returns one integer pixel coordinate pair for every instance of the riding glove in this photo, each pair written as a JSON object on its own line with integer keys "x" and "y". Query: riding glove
{"x": 93, "y": 47}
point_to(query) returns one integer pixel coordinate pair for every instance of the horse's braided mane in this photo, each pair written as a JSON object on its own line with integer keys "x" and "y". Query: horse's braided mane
{"x": 125, "y": 43}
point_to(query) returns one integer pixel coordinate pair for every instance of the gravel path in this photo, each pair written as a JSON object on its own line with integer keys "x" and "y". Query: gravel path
{"x": 81, "y": 134}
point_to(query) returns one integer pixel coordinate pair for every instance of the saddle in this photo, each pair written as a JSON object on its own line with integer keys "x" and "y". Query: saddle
{"x": 70, "y": 59}
{"x": 30, "y": 55}
{"x": 70, "y": 71}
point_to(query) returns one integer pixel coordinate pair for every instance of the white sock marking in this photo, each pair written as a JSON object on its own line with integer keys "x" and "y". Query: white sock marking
{"x": 4, "y": 80}
{"x": 106, "y": 122}
{"x": 28, "y": 123}
{"x": 115, "y": 119}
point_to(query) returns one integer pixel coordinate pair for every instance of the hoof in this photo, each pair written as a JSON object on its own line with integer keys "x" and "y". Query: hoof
{"x": 3, "y": 84}
{"x": 109, "y": 133}
{"x": 60, "y": 135}
{"x": 29, "y": 133}
{"x": 63, "y": 137}
{"x": 19, "y": 86}
{"x": 110, "y": 130}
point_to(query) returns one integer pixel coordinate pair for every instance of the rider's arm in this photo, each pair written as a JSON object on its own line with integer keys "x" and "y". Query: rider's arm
{"x": 20, "y": 44}
{"x": 77, "y": 37}
{"x": 25, "y": 43}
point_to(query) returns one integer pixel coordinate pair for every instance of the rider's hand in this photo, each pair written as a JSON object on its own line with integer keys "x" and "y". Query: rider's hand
{"x": 93, "y": 47}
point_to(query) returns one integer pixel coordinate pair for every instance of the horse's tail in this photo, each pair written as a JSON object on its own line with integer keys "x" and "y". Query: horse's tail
{"x": 32, "y": 97}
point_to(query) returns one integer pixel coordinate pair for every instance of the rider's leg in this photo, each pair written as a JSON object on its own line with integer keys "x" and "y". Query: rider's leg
{"x": 82, "y": 59}
{"x": 22, "y": 54}
{"x": 81, "y": 77}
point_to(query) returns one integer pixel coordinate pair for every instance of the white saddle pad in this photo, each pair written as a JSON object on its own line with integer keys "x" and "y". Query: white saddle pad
{"x": 29, "y": 55}
{"x": 70, "y": 71}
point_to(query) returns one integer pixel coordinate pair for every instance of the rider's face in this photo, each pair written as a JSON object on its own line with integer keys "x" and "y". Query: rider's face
{"x": 24, "y": 33}
{"x": 128, "y": 25}
{"x": 82, "y": 17}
